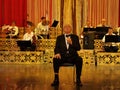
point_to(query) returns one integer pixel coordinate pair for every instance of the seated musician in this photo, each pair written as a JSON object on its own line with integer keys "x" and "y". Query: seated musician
{"x": 110, "y": 46}
{"x": 88, "y": 24}
{"x": 42, "y": 29}
{"x": 86, "y": 27}
{"x": 4, "y": 27}
{"x": 12, "y": 31}
{"x": 101, "y": 29}
{"x": 103, "y": 23}
{"x": 29, "y": 36}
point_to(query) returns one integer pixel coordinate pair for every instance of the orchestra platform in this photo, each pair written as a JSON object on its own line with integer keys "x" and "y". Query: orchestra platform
{"x": 10, "y": 53}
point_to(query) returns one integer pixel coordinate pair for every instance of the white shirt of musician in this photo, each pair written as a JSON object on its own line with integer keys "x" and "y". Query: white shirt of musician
{"x": 41, "y": 29}
{"x": 28, "y": 36}
{"x": 14, "y": 30}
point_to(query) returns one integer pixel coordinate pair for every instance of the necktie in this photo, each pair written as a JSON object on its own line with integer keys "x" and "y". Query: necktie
{"x": 67, "y": 44}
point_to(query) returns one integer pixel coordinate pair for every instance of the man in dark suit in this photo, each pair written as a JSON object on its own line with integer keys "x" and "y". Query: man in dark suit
{"x": 65, "y": 51}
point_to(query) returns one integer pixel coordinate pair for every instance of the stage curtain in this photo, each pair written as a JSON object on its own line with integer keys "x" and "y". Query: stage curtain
{"x": 79, "y": 16}
{"x": 119, "y": 14}
{"x": 38, "y": 8}
{"x": 56, "y": 11}
{"x": 1, "y": 13}
{"x": 108, "y": 9}
{"x": 73, "y": 14}
{"x": 67, "y": 13}
{"x": 13, "y": 10}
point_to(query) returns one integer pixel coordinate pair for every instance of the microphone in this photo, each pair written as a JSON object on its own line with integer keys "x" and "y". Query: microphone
{"x": 67, "y": 38}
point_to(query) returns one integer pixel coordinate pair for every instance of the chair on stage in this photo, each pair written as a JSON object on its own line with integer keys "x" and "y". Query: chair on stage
{"x": 70, "y": 65}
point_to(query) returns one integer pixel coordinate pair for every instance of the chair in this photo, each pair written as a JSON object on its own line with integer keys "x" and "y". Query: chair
{"x": 70, "y": 65}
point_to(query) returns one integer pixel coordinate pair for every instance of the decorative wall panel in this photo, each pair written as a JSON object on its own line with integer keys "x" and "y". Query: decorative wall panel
{"x": 98, "y": 44}
{"x": 20, "y": 57}
{"x": 104, "y": 58}
{"x": 88, "y": 56}
{"x": 10, "y": 53}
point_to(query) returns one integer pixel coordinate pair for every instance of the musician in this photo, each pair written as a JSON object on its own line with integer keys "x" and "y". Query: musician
{"x": 65, "y": 51}
{"x": 4, "y": 27}
{"x": 103, "y": 23}
{"x": 88, "y": 24}
{"x": 29, "y": 35}
{"x": 110, "y": 46}
{"x": 86, "y": 27}
{"x": 42, "y": 28}
{"x": 13, "y": 31}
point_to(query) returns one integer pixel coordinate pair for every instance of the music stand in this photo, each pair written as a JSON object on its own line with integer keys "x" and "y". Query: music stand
{"x": 24, "y": 44}
{"x": 101, "y": 31}
{"x": 55, "y": 23}
{"x": 118, "y": 38}
{"x": 88, "y": 29}
{"x": 111, "y": 38}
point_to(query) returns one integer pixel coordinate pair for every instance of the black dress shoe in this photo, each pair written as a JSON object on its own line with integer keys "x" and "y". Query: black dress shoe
{"x": 79, "y": 84}
{"x": 55, "y": 83}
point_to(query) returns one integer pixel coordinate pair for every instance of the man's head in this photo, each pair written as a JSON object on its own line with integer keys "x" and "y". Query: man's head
{"x": 43, "y": 19}
{"x": 103, "y": 21}
{"x": 67, "y": 29}
{"x": 29, "y": 27}
{"x": 29, "y": 23}
{"x": 110, "y": 31}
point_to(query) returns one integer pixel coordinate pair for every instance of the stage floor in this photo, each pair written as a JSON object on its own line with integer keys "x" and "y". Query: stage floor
{"x": 40, "y": 76}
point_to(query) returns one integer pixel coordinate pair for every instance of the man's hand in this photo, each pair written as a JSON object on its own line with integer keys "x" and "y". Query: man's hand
{"x": 58, "y": 56}
{"x": 69, "y": 40}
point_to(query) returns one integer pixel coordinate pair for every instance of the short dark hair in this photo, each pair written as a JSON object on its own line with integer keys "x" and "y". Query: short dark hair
{"x": 110, "y": 28}
{"x": 30, "y": 23}
{"x": 43, "y": 18}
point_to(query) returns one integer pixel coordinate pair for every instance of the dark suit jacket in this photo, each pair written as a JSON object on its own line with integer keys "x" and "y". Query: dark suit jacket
{"x": 61, "y": 45}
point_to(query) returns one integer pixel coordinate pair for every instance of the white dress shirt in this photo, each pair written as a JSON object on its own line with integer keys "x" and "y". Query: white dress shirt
{"x": 41, "y": 29}
{"x": 67, "y": 44}
{"x": 28, "y": 36}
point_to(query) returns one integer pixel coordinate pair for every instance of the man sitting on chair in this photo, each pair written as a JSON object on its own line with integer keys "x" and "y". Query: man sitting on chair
{"x": 65, "y": 51}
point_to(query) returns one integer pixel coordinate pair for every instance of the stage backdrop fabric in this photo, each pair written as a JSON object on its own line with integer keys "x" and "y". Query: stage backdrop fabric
{"x": 13, "y": 10}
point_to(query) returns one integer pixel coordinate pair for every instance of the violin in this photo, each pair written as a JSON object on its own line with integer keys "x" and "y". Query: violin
{"x": 34, "y": 40}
